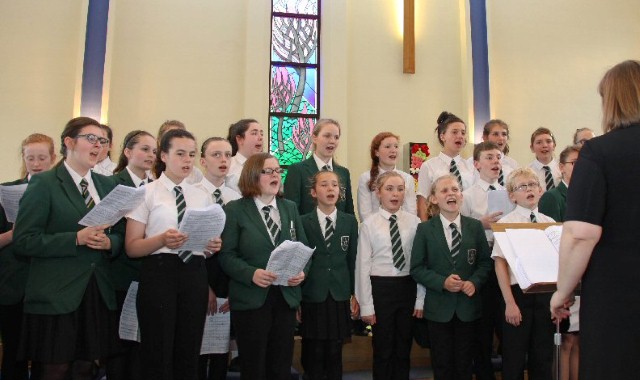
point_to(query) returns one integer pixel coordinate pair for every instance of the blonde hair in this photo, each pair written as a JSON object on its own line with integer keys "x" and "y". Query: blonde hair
{"x": 382, "y": 178}
{"x": 320, "y": 124}
{"x": 620, "y": 91}
{"x": 520, "y": 172}
{"x": 33, "y": 139}
{"x": 432, "y": 208}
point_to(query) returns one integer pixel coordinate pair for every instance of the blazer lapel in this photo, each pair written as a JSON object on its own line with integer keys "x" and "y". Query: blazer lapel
{"x": 336, "y": 239}
{"x": 102, "y": 192}
{"x": 439, "y": 237}
{"x": 70, "y": 189}
{"x": 286, "y": 224}
{"x": 255, "y": 217}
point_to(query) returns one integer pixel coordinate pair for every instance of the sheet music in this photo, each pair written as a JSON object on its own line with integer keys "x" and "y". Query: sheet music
{"x": 201, "y": 225}
{"x": 10, "y": 197}
{"x": 554, "y": 233}
{"x": 118, "y": 203}
{"x": 537, "y": 258}
{"x": 574, "y": 318}
{"x": 215, "y": 339}
{"x": 498, "y": 200}
{"x": 288, "y": 260}
{"x": 129, "y": 329}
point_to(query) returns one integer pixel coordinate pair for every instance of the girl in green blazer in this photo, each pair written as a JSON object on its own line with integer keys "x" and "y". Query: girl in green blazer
{"x": 37, "y": 156}
{"x": 69, "y": 297}
{"x": 326, "y": 294}
{"x": 326, "y": 136}
{"x": 450, "y": 257}
{"x": 133, "y": 169}
{"x": 263, "y": 314}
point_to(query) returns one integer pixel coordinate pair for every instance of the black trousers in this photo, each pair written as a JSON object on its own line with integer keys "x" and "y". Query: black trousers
{"x": 452, "y": 348}
{"x": 322, "y": 359}
{"x": 534, "y": 337}
{"x": 172, "y": 307}
{"x": 393, "y": 299}
{"x": 265, "y": 338}
{"x": 10, "y": 330}
{"x": 124, "y": 357}
{"x": 487, "y": 326}
{"x": 213, "y": 366}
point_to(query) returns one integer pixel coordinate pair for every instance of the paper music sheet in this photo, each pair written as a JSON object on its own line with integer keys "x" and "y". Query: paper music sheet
{"x": 574, "y": 318}
{"x": 201, "y": 225}
{"x": 118, "y": 203}
{"x": 10, "y": 197}
{"x": 215, "y": 339}
{"x": 129, "y": 329}
{"x": 288, "y": 260}
{"x": 498, "y": 200}
{"x": 554, "y": 233}
{"x": 536, "y": 257}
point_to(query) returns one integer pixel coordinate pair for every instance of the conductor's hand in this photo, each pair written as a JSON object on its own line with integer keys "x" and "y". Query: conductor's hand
{"x": 560, "y": 307}
{"x": 512, "y": 314}
{"x": 453, "y": 283}
{"x": 296, "y": 280}
{"x": 173, "y": 239}
{"x": 263, "y": 278}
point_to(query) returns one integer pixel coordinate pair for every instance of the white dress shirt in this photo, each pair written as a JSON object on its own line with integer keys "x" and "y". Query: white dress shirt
{"x": 77, "y": 178}
{"x": 475, "y": 202}
{"x": 375, "y": 257}
{"x": 436, "y": 167}
{"x": 368, "y": 202}
{"x": 137, "y": 180}
{"x": 105, "y": 167}
{"x": 320, "y": 164}
{"x": 555, "y": 172}
{"x": 235, "y": 169}
{"x": 159, "y": 212}
{"x": 273, "y": 213}
{"x": 227, "y": 194}
{"x": 448, "y": 231}
{"x": 322, "y": 219}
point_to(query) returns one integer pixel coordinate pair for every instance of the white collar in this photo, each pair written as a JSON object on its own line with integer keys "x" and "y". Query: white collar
{"x": 320, "y": 164}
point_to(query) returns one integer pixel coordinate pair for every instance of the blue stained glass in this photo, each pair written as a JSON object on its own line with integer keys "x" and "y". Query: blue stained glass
{"x": 290, "y": 138}
{"x": 288, "y": 94}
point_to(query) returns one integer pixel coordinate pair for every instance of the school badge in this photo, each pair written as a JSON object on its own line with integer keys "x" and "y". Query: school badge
{"x": 471, "y": 256}
{"x": 292, "y": 231}
{"x": 344, "y": 242}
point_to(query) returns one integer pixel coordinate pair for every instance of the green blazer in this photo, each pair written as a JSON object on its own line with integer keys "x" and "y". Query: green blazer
{"x": 431, "y": 264}
{"x": 332, "y": 270}
{"x": 246, "y": 246}
{"x": 46, "y": 230}
{"x": 14, "y": 269}
{"x": 124, "y": 269}
{"x": 297, "y": 186}
{"x": 553, "y": 203}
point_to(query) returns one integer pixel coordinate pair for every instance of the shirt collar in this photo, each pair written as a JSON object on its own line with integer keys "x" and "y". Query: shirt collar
{"x": 320, "y": 163}
{"x": 448, "y": 159}
{"x": 136, "y": 180}
{"x": 77, "y": 177}
{"x": 538, "y": 165}
{"x": 446, "y": 222}
{"x": 240, "y": 158}
{"x": 261, "y": 204}
{"x": 322, "y": 216}
{"x": 105, "y": 163}
{"x": 168, "y": 184}
{"x": 386, "y": 214}
{"x": 210, "y": 186}
{"x": 484, "y": 185}
{"x": 523, "y": 211}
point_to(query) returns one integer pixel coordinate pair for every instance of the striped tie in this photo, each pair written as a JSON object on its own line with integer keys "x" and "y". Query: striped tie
{"x": 142, "y": 184}
{"x": 548, "y": 178}
{"x": 533, "y": 218}
{"x": 396, "y": 243}
{"x": 326, "y": 168}
{"x": 272, "y": 226}
{"x": 328, "y": 231}
{"x": 217, "y": 197}
{"x": 88, "y": 200}
{"x": 181, "y": 205}
{"x": 453, "y": 169}
{"x": 491, "y": 187}
{"x": 455, "y": 240}
{"x": 501, "y": 178}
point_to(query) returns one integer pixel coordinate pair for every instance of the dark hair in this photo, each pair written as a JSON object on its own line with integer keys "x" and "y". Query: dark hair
{"x": 444, "y": 120}
{"x": 72, "y": 129}
{"x": 206, "y": 142}
{"x": 375, "y": 160}
{"x": 486, "y": 130}
{"x": 169, "y": 124}
{"x": 249, "y": 182}
{"x": 542, "y": 131}
{"x": 483, "y": 147}
{"x": 35, "y": 138}
{"x": 620, "y": 91}
{"x": 313, "y": 181}
{"x": 130, "y": 140}
{"x": 109, "y": 136}
{"x": 165, "y": 145}
{"x": 239, "y": 128}
{"x": 567, "y": 151}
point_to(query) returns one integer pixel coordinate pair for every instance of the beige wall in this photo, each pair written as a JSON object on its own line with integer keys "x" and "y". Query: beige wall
{"x": 207, "y": 63}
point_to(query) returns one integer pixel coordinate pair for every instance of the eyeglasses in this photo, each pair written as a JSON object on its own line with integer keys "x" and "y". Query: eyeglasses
{"x": 93, "y": 139}
{"x": 526, "y": 186}
{"x": 271, "y": 171}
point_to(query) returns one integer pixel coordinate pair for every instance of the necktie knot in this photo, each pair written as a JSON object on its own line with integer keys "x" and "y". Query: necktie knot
{"x": 217, "y": 196}
{"x": 326, "y": 168}
{"x": 266, "y": 210}
{"x": 142, "y": 184}
{"x": 272, "y": 226}
{"x": 84, "y": 189}
{"x": 491, "y": 187}
{"x": 393, "y": 218}
{"x": 177, "y": 190}
{"x": 533, "y": 217}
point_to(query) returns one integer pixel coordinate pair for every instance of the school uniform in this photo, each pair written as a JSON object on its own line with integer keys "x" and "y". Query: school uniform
{"x": 475, "y": 205}
{"x": 438, "y": 166}
{"x": 214, "y": 366}
{"x": 326, "y": 317}
{"x": 368, "y": 202}
{"x": 388, "y": 292}
{"x": 14, "y": 270}
{"x": 172, "y": 294}
{"x": 530, "y": 344}
{"x": 538, "y": 168}
{"x": 553, "y": 203}
{"x": 65, "y": 280}
{"x": 235, "y": 170}
{"x": 124, "y": 360}
{"x": 105, "y": 167}
{"x": 451, "y": 317}
{"x": 508, "y": 165}
{"x": 297, "y": 186}
{"x": 263, "y": 318}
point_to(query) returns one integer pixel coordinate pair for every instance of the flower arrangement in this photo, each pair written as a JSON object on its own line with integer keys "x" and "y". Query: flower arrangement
{"x": 419, "y": 154}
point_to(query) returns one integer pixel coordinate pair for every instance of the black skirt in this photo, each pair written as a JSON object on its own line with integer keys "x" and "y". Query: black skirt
{"x": 328, "y": 320}
{"x": 83, "y": 334}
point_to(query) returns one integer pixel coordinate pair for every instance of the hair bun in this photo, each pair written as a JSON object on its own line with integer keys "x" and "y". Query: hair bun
{"x": 444, "y": 115}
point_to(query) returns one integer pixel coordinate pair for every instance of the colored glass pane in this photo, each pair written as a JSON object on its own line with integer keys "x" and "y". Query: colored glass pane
{"x": 293, "y": 90}
{"x": 308, "y": 7}
{"x": 294, "y": 40}
{"x": 290, "y": 138}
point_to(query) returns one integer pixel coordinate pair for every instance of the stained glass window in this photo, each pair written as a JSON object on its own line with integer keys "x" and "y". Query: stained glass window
{"x": 295, "y": 75}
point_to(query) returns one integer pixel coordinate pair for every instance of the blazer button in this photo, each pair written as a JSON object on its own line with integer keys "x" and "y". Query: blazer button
{"x": 329, "y": 269}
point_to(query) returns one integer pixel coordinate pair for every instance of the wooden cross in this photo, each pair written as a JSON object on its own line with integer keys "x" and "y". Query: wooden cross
{"x": 409, "y": 39}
